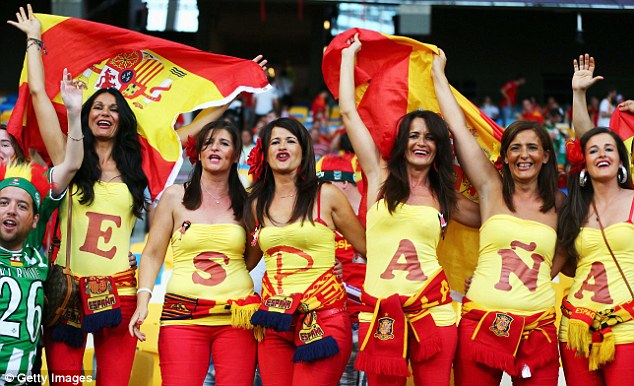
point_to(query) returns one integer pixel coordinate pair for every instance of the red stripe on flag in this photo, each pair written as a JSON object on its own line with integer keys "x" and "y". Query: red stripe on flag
{"x": 67, "y": 50}
{"x": 385, "y": 100}
{"x": 497, "y": 129}
{"x": 155, "y": 167}
{"x": 622, "y": 123}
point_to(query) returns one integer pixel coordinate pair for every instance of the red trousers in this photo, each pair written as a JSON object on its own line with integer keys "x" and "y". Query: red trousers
{"x": 275, "y": 356}
{"x": 184, "y": 352}
{"x": 619, "y": 372}
{"x": 435, "y": 371}
{"x": 466, "y": 370}
{"x": 114, "y": 350}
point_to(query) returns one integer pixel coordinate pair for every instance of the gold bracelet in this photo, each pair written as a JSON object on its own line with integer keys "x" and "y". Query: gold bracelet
{"x": 75, "y": 139}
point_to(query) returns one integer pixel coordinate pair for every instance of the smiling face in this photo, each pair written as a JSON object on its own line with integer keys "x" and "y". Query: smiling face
{"x": 421, "y": 146}
{"x": 17, "y": 217}
{"x": 103, "y": 119}
{"x": 218, "y": 151}
{"x": 526, "y": 156}
{"x": 602, "y": 157}
{"x": 284, "y": 153}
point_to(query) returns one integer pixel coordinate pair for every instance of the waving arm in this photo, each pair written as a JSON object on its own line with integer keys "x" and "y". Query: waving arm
{"x": 582, "y": 80}
{"x": 72, "y": 95}
{"x": 367, "y": 152}
{"x": 478, "y": 168}
{"x": 50, "y": 129}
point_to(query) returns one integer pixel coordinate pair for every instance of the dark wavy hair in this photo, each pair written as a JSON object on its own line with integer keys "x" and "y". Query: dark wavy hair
{"x": 193, "y": 192}
{"x": 547, "y": 179}
{"x": 126, "y": 153}
{"x": 306, "y": 182}
{"x": 396, "y": 190}
{"x": 574, "y": 212}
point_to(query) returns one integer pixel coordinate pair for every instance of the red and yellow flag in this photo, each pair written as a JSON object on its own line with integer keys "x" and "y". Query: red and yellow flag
{"x": 160, "y": 79}
{"x": 622, "y": 123}
{"x": 393, "y": 77}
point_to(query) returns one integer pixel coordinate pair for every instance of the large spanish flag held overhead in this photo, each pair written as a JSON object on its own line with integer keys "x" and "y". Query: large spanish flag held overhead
{"x": 160, "y": 79}
{"x": 393, "y": 77}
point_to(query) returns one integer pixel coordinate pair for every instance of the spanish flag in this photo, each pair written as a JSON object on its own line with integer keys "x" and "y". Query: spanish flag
{"x": 160, "y": 79}
{"x": 393, "y": 77}
{"x": 622, "y": 123}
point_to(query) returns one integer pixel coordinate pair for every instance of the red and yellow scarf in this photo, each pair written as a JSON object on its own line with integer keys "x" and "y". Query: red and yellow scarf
{"x": 179, "y": 307}
{"x": 325, "y": 295}
{"x": 384, "y": 349}
{"x": 507, "y": 341}
{"x": 590, "y": 331}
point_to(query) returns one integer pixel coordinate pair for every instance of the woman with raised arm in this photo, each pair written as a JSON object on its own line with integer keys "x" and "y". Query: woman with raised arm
{"x": 293, "y": 217}
{"x": 210, "y": 294}
{"x": 508, "y": 313}
{"x": 595, "y": 228}
{"x": 23, "y": 268}
{"x": 411, "y": 197}
{"x": 107, "y": 194}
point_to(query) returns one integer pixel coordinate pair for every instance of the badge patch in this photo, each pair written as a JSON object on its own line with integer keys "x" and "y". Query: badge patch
{"x": 385, "y": 328}
{"x": 311, "y": 330}
{"x": 501, "y": 325}
{"x": 279, "y": 303}
{"x": 98, "y": 293}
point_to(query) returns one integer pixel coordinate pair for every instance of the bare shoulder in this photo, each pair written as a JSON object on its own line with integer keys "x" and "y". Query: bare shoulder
{"x": 172, "y": 195}
{"x": 331, "y": 194}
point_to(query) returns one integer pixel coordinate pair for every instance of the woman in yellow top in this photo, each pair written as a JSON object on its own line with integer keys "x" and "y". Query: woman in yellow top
{"x": 210, "y": 285}
{"x": 595, "y": 228}
{"x": 508, "y": 312}
{"x": 411, "y": 197}
{"x": 293, "y": 217}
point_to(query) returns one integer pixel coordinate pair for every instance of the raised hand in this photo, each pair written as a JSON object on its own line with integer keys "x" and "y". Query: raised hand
{"x": 261, "y": 61}
{"x": 354, "y": 46}
{"x": 27, "y": 23}
{"x": 628, "y": 106}
{"x": 583, "y": 78}
{"x": 72, "y": 92}
{"x": 440, "y": 61}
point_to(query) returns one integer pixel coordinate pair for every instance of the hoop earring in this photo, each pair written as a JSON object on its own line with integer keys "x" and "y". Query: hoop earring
{"x": 621, "y": 175}
{"x": 583, "y": 178}
{"x": 435, "y": 167}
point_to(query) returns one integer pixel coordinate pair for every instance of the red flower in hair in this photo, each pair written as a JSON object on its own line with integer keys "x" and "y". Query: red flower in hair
{"x": 190, "y": 149}
{"x": 256, "y": 160}
{"x": 574, "y": 154}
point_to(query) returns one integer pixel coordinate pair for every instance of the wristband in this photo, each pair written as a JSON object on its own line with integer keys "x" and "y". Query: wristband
{"x": 37, "y": 42}
{"x": 144, "y": 289}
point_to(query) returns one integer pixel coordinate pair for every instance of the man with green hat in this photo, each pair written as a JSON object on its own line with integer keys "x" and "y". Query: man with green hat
{"x": 22, "y": 273}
